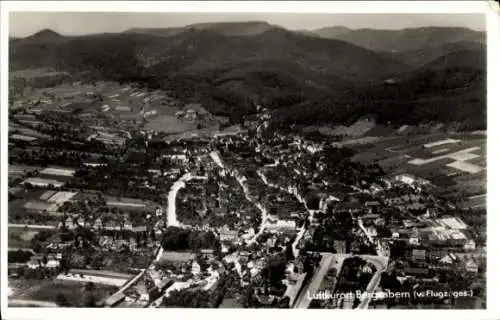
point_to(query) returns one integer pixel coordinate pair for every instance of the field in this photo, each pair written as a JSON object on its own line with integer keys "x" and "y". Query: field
{"x": 34, "y": 73}
{"x": 43, "y": 182}
{"x": 169, "y": 124}
{"x": 58, "y": 172}
{"x": 24, "y": 131}
{"x": 17, "y": 170}
{"x": 129, "y": 203}
{"x": 49, "y": 290}
{"x": 20, "y": 238}
{"x": 83, "y": 278}
{"x": 31, "y": 202}
{"x": 206, "y": 132}
{"x": 456, "y": 161}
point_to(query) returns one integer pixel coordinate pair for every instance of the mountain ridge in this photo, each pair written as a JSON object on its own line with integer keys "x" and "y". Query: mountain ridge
{"x": 225, "y": 28}
{"x": 409, "y": 38}
{"x": 299, "y": 75}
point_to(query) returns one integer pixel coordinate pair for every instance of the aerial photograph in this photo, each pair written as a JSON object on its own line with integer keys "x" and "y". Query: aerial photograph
{"x": 246, "y": 160}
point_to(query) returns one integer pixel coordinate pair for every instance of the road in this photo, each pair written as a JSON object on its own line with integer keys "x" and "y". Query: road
{"x": 380, "y": 250}
{"x": 241, "y": 180}
{"x": 127, "y": 285}
{"x": 330, "y": 260}
{"x": 171, "y": 221}
{"x": 381, "y": 264}
{"x": 310, "y": 288}
{"x": 171, "y": 212}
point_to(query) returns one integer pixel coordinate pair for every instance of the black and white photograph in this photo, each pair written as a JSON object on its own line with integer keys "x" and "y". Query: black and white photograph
{"x": 245, "y": 160}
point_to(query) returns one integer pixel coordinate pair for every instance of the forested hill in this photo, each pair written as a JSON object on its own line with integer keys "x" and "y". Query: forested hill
{"x": 232, "y": 67}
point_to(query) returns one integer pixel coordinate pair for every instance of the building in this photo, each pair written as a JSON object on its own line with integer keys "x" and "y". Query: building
{"x": 158, "y": 211}
{"x": 127, "y": 225}
{"x": 371, "y": 231}
{"x": 282, "y": 226}
{"x": 470, "y": 245}
{"x": 97, "y": 223}
{"x": 80, "y": 221}
{"x": 42, "y": 182}
{"x": 416, "y": 271}
{"x": 69, "y": 223}
{"x": 52, "y": 263}
{"x": 375, "y": 188}
{"x": 418, "y": 254}
{"x": 372, "y": 206}
{"x": 195, "y": 268}
{"x": 226, "y": 234}
{"x": 405, "y": 178}
{"x": 340, "y": 246}
{"x": 471, "y": 266}
{"x": 448, "y": 259}
{"x": 351, "y": 207}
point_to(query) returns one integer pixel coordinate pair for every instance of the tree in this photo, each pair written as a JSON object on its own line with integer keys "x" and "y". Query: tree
{"x": 274, "y": 271}
{"x": 61, "y": 300}
{"x": 289, "y": 252}
{"x": 90, "y": 301}
{"x": 89, "y": 286}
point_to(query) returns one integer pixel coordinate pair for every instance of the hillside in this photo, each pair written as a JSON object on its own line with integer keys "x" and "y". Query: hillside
{"x": 202, "y": 51}
{"x": 409, "y": 39}
{"x": 276, "y": 68}
{"x": 44, "y": 36}
{"x": 331, "y": 32}
{"x": 459, "y": 59}
{"x": 449, "y": 89}
{"x": 306, "y": 79}
{"x": 113, "y": 55}
{"x": 425, "y": 55}
{"x": 225, "y": 28}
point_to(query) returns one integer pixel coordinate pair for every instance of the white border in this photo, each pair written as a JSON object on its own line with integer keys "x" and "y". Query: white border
{"x": 254, "y": 6}
{"x": 493, "y": 28}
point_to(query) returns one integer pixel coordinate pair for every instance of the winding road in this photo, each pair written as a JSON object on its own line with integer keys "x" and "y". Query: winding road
{"x": 172, "y": 195}
{"x": 241, "y": 180}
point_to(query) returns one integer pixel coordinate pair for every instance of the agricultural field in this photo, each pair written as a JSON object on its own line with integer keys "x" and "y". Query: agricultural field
{"x": 129, "y": 203}
{"x": 34, "y": 73}
{"x": 19, "y": 170}
{"x": 169, "y": 124}
{"x": 20, "y": 238}
{"x": 475, "y": 202}
{"x": 58, "y": 172}
{"x": 76, "y": 294}
{"x": 25, "y": 131}
{"x": 456, "y": 161}
{"x": 41, "y": 203}
{"x": 198, "y": 133}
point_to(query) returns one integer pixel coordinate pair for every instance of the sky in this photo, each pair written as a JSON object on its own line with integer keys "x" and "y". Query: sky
{"x": 76, "y": 23}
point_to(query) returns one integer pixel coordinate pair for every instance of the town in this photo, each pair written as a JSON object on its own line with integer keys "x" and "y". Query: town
{"x": 121, "y": 196}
